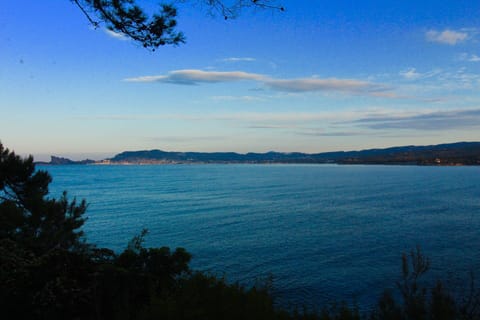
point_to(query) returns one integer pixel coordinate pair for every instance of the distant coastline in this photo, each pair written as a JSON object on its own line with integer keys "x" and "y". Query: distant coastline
{"x": 451, "y": 154}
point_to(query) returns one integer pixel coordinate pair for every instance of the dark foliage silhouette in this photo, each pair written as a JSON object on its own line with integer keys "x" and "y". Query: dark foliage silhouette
{"x": 157, "y": 29}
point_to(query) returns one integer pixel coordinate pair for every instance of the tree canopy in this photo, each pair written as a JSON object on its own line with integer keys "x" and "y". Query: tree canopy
{"x": 28, "y": 217}
{"x": 158, "y": 28}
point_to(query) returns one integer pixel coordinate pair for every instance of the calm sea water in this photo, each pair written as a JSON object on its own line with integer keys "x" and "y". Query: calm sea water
{"x": 324, "y": 232}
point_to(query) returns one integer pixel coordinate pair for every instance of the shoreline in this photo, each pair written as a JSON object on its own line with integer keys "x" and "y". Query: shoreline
{"x": 172, "y": 163}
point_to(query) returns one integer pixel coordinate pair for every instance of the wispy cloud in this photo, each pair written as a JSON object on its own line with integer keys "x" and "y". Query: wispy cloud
{"x": 447, "y": 36}
{"x": 389, "y": 95}
{"x": 437, "y": 85}
{"x": 410, "y": 74}
{"x": 474, "y": 58}
{"x": 469, "y": 57}
{"x": 193, "y": 76}
{"x": 315, "y": 84}
{"x": 170, "y": 139}
{"x": 257, "y": 118}
{"x": 371, "y": 118}
{"x": 116, "y": 35}
{"x": 322, "y": 133}
{"x": 288, "y": 118}
{"x": 239, "y": 59}
{"x": 437, "y": 120}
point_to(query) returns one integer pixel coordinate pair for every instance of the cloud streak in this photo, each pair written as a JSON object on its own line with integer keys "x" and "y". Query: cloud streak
{"x": 447, "y": 36}
{"x": 410, "y": 74}
{"x": 239, "y": 59}
{"x": 116, "y": 35}
{"x": 469, "y": 57}
{"x": 440, "y": 120}
{"x": 315, "y": 84}
{"x": 327, "y": 123}
{"x": 195, "y": 77}
{"x": 317, "y": 133}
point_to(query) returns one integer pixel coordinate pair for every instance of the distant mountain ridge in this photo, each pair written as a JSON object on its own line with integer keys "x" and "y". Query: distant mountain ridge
{"x": 466, "y": 153}
{"x": 460, "y": 153}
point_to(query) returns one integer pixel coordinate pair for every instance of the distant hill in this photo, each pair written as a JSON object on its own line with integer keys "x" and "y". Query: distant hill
{"x": 64, "y": 161}
{"x": 461, "y": 153}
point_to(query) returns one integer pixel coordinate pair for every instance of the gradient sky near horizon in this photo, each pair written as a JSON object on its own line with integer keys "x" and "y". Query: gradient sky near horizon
{"x": 321, "y": 76}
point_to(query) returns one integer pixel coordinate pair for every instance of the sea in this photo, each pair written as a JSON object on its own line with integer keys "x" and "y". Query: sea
{"x": 320, "y": 233}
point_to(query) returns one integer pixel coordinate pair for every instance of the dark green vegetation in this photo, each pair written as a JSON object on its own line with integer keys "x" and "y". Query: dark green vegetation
{"x": 49, "y": 271}
{"x": 461, "y": 153}
{"x": 159, "y": 28}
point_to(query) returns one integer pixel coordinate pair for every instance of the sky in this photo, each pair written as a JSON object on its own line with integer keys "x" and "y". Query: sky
{"x": 319, "y": 76}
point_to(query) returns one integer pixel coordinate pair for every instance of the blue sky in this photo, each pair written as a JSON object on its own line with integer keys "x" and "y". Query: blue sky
{"x": 321, "y": 76}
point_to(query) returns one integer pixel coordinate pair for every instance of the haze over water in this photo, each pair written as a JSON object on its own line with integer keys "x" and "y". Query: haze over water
{"x": 324, "y": 232}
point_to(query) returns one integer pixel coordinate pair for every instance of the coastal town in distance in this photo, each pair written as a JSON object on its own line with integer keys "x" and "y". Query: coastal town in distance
{"x": 452, "y": 154}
